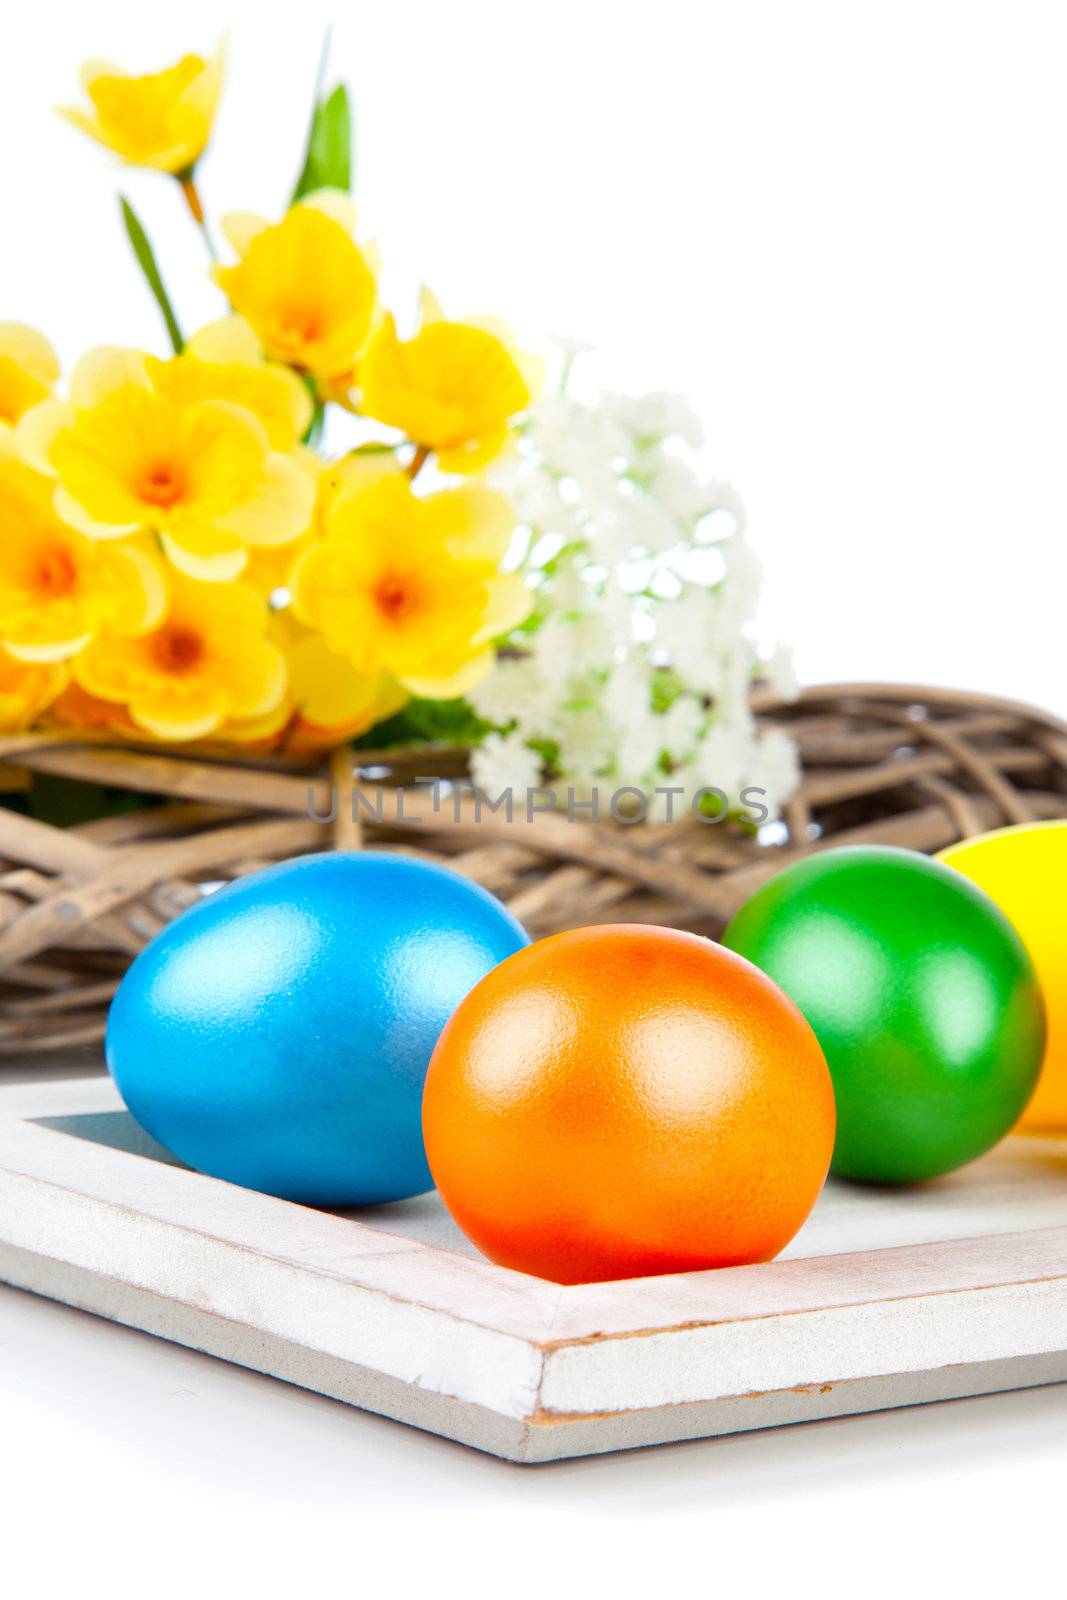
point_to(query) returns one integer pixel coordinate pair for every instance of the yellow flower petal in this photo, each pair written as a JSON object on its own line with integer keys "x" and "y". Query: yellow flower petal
{"x": 510, "y": 603}
{"x": 26, "y": 690}
{"x": 461, "y": 681}
{"x": 265, "y": 684}
{"x": 59, "y": 650}
{"x": 230, "y": 340}
{"x": 204, "y": 552}
{"x": 28, "y": 369}
{"x": 478, "y": 524}
{"x": 36, "y": 431}
{"x": 29, "y": 350}
{"x": 177, "y": 718}
{"x": 239, "y": 228}
{"x": 429, "y": 307}
{"x": 331, "y": 694}
{"x": 101, "y": 372}
{"x": 148, "y": 581}
{"x": 475, "y": 454}
{"x": 270, "y": 565}
{"x": 262, "y": 730}
{"x": 74, "y": 514}
{"x": 334, "y": 203}
{"x": 95, "y": 68}
{"x": 280, "y": 509}
{"x": 354, "y": 472}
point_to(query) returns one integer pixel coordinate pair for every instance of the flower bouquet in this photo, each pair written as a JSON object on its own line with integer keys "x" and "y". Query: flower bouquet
{"x": 317, "y": 571}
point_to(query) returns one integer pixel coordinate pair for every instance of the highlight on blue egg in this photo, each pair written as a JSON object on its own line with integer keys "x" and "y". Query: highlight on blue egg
{"x": 277, "y": 1034}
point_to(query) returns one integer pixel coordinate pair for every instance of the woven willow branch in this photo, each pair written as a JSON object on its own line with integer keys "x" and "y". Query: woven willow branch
{"x": 883, "y": 763}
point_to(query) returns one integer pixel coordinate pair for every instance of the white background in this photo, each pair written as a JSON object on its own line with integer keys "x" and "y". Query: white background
{"x": 841, "y": 227}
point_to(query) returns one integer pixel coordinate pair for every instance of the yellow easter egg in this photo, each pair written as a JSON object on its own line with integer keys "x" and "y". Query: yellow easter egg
{"x": 1024, "y": 871}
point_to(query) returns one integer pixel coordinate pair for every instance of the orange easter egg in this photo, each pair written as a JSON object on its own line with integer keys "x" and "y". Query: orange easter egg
{"x": 617, "y": 1102}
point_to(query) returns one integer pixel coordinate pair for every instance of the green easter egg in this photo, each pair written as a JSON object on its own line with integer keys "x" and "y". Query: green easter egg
{"x": 921, "y": 994}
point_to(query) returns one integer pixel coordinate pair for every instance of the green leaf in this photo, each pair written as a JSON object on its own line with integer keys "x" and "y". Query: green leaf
{"x": 146, "y": 260}
{"x": 453, "y": 722}
{"x": 328, "y": 160}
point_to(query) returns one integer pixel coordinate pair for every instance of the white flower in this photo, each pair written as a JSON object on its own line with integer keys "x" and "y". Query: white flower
{"x": 689, "y": 627}
{"x": 617, "y": 611}
{"x": 649, "y": 525}
{"x": 570, "y": 347}
{"x": 579, "y": 441}
{"x": 536, "y": 501}
{"x": 626, "y": 693}
{"x": 656, "y": 416}
{"x": 740, "y": 591}
{"x": 780, "y": 672}
{"x": 774, "y": 767}
{"x": 731, "y": 517}
{"x": 513, "y": 692}
{"x": 683, "y": 723}
{"x": 732, "y": 701}
{"x": 678, "y": 487}
{"x": 640, "y": 747}
{"x": 586, "y": 747}
{"x": 638, "y": 561}
{"x": 722, "y": 760}
{"x": 504, "y": 762}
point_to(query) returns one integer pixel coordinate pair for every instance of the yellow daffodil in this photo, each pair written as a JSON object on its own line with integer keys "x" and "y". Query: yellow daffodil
{"x": 58, "y": 588}
{"x": 208, "y": 662}
{"x": 160, "y": 119}
{"x": 304, "y": 284}
{"x": 201, "y": 473}
{"x": 28, "y": 370}
{"x": 412, "y": 587}
{"x": 454, "y": 388}
{"x": 26, "y": 688}
{"x": 225, "y": 361}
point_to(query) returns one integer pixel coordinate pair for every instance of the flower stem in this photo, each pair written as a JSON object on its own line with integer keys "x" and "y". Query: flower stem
{"x": 418, "y": 461}
{"x": 196, "y": 210}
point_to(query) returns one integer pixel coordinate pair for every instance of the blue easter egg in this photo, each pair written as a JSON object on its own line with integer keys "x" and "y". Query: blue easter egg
{"x": 277, "y": 1035}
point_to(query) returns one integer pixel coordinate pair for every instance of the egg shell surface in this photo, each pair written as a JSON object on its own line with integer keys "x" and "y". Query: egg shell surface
{"x": 921, "y": 994}
{"x": 623, "y": 1101}
{"x": 277, "y": 1034}
{"x": 1023, "y": 869}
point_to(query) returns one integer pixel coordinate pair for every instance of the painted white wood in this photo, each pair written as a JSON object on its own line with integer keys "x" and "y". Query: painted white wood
{"x": 955, "y": 1288}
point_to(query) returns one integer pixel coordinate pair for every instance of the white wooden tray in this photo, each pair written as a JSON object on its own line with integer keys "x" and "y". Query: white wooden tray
{"x": 884, "y": 1299}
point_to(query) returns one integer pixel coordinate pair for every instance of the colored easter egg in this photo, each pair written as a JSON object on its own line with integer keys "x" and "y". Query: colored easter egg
{"x": 616, "y": 1102}
{"x": 921, "y": 995}
{"x": 278, "y": 1033}
{"x": 1024, "y": 870}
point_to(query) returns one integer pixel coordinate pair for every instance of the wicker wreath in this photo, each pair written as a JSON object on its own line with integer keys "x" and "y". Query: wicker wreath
{"x": 882, "y": 763}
